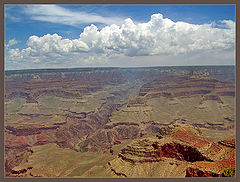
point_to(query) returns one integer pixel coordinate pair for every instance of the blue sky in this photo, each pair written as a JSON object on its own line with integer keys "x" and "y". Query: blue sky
{"x": 46, "y": 36}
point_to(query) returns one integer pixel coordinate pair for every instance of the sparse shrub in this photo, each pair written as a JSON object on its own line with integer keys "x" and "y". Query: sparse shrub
{"x": 79, "y": 145}
{"x": 228, "y": 172}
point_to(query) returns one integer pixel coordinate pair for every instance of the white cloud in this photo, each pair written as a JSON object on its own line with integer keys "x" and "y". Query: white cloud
{"x": 9, "y": 13}
{"x": 57, "y": 14}
{"x": 12, "y": 18}
{"x": 11, "y": 43}
{"x": 157, "y": 37}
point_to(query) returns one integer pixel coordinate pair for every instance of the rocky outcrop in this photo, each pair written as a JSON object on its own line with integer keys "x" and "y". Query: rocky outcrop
{"x": 21, "y": 171}
{"x": 181, "y": 145}
{"x": 186, "y": 136}
{"x": 194, "y": 172}
{"x": 182, "y": 152}
{"x": 78, "y": 115}
{"x": 115, "y": 172}
{"x": 136, "y": 102}
{"x": 28, "y": 131}
{"x": 228, "y": 143}
{"x": 20, "y": 157}
{"x": 170, "y": 150}
{"x": 110, "y": 126}
{"x": 211, "y": 97}
{"x": 215, "y": 125}
{"x": 191, "y": 93}
{"x": 105, "y": 138}
{"x": 188, "y": 85}
{"x": 217, "y": 166}
{"x": 33, "y": 115}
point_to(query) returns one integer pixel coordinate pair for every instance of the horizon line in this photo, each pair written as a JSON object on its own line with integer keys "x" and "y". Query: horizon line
{"x": 123, "y": 67}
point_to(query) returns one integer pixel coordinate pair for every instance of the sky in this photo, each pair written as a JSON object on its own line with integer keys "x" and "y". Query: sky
{"x": 69, "y": 36}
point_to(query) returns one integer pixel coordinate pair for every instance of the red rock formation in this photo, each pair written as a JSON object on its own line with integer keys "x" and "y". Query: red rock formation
{"x": 29, "y": 130}
{"x": 189, "y": 137}
{"x": 217, "y": 165}
{"x": 182, "y": 152}
{"x": 186, "y": 145}
{"x": 228, "y": 143}
{"x": 116, "y": 142}
{"x": 194, "y": 172}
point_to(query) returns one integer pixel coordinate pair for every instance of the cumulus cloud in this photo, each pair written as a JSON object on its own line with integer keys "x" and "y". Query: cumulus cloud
{"x": 57, "y": 14}
{"x": 159, "y": 36}
{"x": 11, "y": 43}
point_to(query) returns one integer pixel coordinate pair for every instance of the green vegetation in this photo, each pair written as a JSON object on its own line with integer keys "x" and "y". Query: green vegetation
{"x": 228, "y": 172}
{"x": 79, "y": 145}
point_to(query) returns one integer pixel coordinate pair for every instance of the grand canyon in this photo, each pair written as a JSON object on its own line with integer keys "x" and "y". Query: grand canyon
{"x": 120, "y": 122}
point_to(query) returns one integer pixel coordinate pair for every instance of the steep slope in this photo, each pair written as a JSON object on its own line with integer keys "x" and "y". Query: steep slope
{"x": 173, "y": 155}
